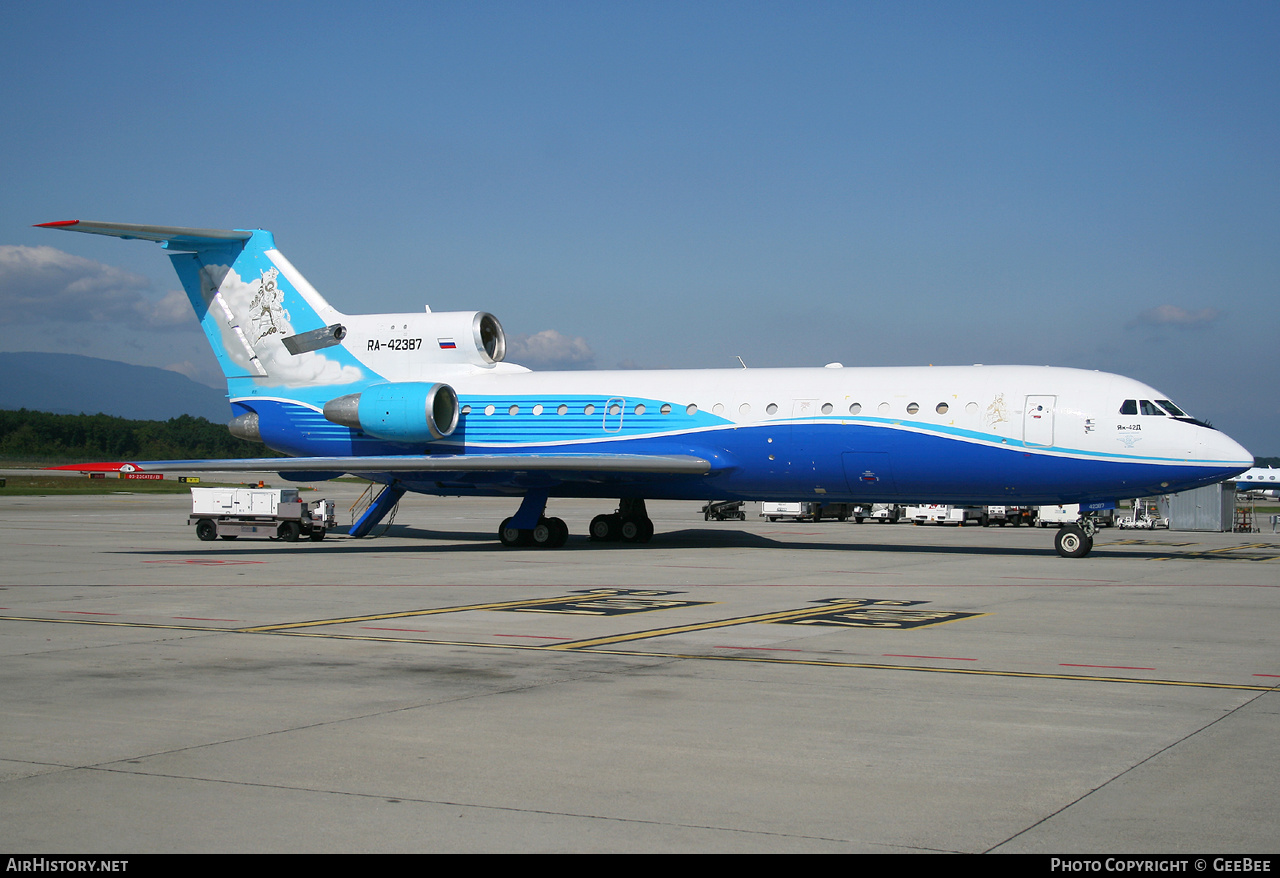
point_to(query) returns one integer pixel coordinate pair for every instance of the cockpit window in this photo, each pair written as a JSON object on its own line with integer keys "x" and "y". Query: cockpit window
{"x": 1171, "y": 408}
{"x": 1129, "y": 407}
{"x": 1150, "y": 408}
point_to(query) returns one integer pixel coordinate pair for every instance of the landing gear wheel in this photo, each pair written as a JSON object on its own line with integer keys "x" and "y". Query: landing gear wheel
{"x": 206, "y": 530}
{"x": 636, "y": 530}
{"x": 606, "y": 528}
{"x": 316, "y": 535}
{"x": 512, "y": 536}
{"x": 550, "y": 533}
{"x": 561, "y": 533}
{"x": 289, "y": 531}
{"x": 1072, "y": 542}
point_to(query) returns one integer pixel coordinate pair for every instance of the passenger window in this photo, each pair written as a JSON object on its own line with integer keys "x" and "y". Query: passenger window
{"x": 912, "y": 408}
{"x": 1129, "y": 407}
{"x": 666, "y": 408}
{"x": 941, "y": 408}
{"x": 855, "y": 408}
{"x": 826, "y": 408}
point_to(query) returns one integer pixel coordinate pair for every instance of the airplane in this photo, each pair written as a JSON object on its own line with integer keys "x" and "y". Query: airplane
{"x": 1261, "y": 480}
{"x": 426, "y": 402}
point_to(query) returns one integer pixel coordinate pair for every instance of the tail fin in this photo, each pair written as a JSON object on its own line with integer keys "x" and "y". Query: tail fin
{"x": 266, "y": 323}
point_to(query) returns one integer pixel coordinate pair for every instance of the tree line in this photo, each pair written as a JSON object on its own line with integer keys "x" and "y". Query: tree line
{"x": 41, "y": 436}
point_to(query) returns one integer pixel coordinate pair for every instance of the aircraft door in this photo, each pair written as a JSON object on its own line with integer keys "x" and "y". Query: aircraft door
{"x": 614, "y": 410}
{"x": 1037, "y": 421}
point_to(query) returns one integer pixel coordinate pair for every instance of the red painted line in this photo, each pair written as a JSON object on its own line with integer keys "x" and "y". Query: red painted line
{"x": 87, "y": 613}
{"x": 1267, "y": 675}
{"x": 945, "y": 658}
{"x": 533, "y": 636}
{"x": 203, "y": 619}
{"x": 762, "y": 648}
{"x": 1112, "y": 667}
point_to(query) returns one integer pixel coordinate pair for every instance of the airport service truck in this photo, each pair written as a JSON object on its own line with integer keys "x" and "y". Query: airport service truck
{"x": 1058, "y": 516}
{"x": 1015, "y": 515}
{"x": 935, "y": 513}
{"x": 811, "y": 511}
{"x": 269, "y": 513}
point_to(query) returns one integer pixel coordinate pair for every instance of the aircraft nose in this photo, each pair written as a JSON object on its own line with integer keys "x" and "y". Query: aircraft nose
{"x": 1221, "y": 447}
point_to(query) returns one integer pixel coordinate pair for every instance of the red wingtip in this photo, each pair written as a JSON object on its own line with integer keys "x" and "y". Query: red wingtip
{"x": 55, "y": 225}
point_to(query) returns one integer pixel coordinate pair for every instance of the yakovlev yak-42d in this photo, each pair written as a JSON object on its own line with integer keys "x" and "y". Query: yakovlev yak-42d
{"x": 424, "y": 402}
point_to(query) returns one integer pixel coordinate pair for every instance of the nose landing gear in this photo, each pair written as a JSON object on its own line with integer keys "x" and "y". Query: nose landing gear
{"x": 1076, "y": 540}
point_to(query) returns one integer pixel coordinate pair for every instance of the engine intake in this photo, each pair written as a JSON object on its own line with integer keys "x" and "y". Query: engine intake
{"x": 406, "y": 411}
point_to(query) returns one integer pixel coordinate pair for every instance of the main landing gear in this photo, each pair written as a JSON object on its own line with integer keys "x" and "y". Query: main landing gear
{"x": 548, "y": 533}
{"x": 1076, "y": 540}
{"x": 630, "y": 523}
{"x": 530, "y": 527}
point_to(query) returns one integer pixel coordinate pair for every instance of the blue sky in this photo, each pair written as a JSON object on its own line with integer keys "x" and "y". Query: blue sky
{"x": 676, "y": 184}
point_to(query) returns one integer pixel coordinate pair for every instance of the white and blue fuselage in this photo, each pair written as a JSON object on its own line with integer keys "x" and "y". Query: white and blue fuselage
{"x": 424, "y": 402}
{"x": 961, "y": 435}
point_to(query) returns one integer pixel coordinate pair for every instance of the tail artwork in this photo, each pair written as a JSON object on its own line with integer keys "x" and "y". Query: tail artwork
{"x": 425, "y": 402}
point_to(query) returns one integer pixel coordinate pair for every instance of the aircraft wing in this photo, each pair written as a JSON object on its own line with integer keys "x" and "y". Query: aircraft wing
{"x": 640, "y": 464}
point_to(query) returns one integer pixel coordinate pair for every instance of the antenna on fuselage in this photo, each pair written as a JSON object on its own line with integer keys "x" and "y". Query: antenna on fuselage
{"x": 739, "y": 359}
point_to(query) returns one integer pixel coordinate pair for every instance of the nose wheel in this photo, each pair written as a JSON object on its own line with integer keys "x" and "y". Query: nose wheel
{"x": 1076, "y": 540}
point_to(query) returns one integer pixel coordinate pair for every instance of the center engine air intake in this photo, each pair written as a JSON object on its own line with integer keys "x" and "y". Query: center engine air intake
{"x": 407, "y": 411}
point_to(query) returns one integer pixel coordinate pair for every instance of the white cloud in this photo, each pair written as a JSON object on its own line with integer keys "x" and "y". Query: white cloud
{"x": 173, "y": 310}
{"x": 549, "y": 349}
{"x": 45, "y": 285}
{"x": 1172, "y": 315}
